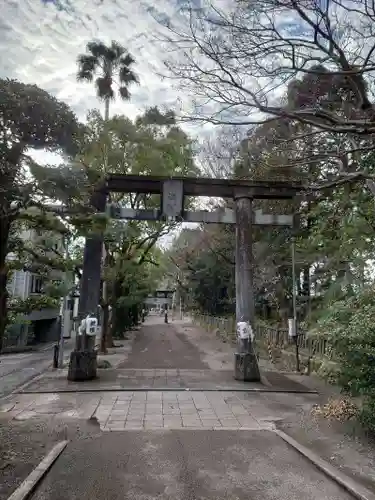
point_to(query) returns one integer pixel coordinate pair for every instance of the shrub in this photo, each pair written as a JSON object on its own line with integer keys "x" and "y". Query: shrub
{"x": 349, "y": 326}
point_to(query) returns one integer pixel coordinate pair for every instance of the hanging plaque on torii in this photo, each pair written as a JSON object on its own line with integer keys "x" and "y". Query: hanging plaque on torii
{"x": 174, "y": 191}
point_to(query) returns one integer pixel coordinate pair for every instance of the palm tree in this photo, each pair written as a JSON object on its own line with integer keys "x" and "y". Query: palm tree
{"x": 107, "y": 62}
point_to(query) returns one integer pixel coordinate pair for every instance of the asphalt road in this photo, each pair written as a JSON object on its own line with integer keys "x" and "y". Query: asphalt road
{"x": 17, "y": 369}
{"x": 185, "y": 465}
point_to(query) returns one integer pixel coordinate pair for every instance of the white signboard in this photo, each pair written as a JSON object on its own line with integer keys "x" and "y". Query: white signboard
{"x": 292, "y": 328}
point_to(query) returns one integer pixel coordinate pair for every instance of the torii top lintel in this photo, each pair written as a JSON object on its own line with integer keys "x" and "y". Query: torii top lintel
{"x": 204, "y": 186}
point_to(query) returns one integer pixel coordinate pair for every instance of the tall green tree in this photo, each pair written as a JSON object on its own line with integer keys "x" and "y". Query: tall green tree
{"x": 150, "y": 145}
{"x": 30, "y": 118}
{"x": 113, "y": 65}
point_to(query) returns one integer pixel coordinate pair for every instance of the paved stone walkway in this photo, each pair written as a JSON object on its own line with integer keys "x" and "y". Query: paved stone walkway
{"x": 131, "y": 399}
{"x": 148, "y": 410}
{"x": 170, "y": 410}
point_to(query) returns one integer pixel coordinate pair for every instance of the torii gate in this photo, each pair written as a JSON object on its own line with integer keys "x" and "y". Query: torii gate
{"x": 173, "y": 191}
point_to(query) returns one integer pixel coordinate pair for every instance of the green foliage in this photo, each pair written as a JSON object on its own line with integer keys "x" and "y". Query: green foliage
{"x": 340, "y": 240}
{"x": 33, "y": 303}
{"x": 213, "y": 285}
{"x": 151, "y": 145}
{"x": 367, "y": 413}
{"x": 33, "y": 118}
{"x": 109, "y": 62}
{"x": 201, "y": 269}
{"x": 348, "y": 325}
{"x": 130, "y": 283}
{"x": 30, "y": 119}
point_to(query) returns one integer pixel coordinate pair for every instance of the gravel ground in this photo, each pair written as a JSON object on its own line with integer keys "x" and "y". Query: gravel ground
{"x": 24, "y": 444}
{"x": 344, "y": 445}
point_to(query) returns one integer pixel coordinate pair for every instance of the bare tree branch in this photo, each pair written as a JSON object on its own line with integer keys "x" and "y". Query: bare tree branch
{"x": 236, "y": 62}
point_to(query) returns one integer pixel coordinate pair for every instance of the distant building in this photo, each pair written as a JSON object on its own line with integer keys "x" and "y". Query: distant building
{"x": 40, "y": 326}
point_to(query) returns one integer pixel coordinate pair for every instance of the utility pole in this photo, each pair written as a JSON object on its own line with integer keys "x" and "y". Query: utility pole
{"x": 63, "y": 318}
{"x": 64, "y": 323}
{"x": 294, "y": 295}
{"x": 246, "y": 363}
{"x": 165, "y": 313}
{"x": 294, "y": 285}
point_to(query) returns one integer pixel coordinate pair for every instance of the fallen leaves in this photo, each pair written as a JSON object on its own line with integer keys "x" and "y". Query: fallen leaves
{"x": 342, "y": 409}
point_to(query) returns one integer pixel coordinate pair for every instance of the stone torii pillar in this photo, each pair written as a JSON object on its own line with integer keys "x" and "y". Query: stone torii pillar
{"x": 83, "y": 359}
{"x": 246, "y": 364}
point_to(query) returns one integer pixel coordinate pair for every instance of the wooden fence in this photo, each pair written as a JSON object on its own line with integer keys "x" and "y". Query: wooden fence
{"x": 265, "y": 335}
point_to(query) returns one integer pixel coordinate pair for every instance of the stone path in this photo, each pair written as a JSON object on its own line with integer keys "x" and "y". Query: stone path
{"x": 158, "y": 379}
{"x": 115, "y": 405}
{"x": 160, "y": 409}
{"x": 175, "y": 444}
{"x": 158, "y": 345}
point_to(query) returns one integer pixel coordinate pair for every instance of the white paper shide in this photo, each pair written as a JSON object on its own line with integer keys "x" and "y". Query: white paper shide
{"x": 89, "y": 326}
{"x": 244, "y": 330}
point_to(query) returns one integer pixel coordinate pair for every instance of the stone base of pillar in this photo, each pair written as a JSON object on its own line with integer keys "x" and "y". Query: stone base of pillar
{"x": 246, "y": 367}
{"x": 83, "y": 366}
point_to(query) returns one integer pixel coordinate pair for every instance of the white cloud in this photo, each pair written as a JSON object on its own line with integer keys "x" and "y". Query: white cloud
{"x": 41, "y": 39}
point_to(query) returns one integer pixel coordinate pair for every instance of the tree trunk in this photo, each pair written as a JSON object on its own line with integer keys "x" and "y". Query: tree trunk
{"x": 4, "y": 235}
{"x": 9, "y": 167}
{"x": 104, "y": 343}
{"x": 105, "y": 330}
{"x": 106, "y": 339}
{"x": 106, "y": 110}
{"x": 306, "y": 282}
{"x": 109, "y": 339}
{"x": 91, "y": 274}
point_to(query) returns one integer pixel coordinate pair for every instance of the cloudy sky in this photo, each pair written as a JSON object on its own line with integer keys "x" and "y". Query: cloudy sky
{"x": 41, "y": 39}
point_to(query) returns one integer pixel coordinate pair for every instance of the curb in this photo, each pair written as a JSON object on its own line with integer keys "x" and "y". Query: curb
{"x": 163, "y": 389}
{"x": 352, "y": 487}
{"x": 25, "y": 489}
